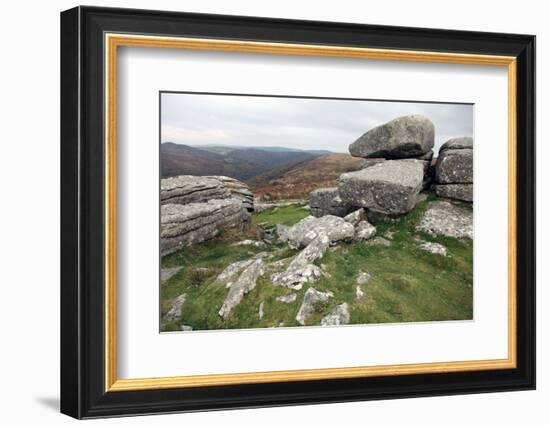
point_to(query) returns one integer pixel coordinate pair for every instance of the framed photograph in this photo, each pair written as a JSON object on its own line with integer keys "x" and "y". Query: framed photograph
{"x": 261, "y": 212}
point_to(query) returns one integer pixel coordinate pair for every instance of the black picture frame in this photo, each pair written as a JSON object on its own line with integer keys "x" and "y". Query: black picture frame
{"x": 83, "y": 392}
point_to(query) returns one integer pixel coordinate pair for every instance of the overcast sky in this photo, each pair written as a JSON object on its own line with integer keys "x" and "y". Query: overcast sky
{"x": 197, "y": 119}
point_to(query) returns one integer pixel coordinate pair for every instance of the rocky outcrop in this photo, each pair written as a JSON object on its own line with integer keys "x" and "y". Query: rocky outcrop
{"x": 443, "y": 218}
{"x": 338, "y": 316}
{"x": 238, "y": 190}
{"x": 454, "y": 170}
{"x": 185, "y": 225}
{"x": 196, "y": 208}
{"x": 244, "y": 284}
{"x": 391, "y": 187}
{"x": 193, "y": 189}
{"x": 303, "y": 232}
{"x": 301, "y": 270}
{"x": 403, "y": 137}
{"x": 311, "y": 298}
{"x": 326, "y": 201}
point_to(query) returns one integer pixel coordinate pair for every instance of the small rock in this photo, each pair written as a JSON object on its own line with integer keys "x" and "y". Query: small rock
{"x": 303, "y": 232}
{"x": 250, "y": 242}
{"x": 443, "y": 218}
{"x": 358, "y": 292}
{"x": 388, "y": 234}
{"x": 175, "y": 312}
{"x": 433, "y": 248}
{"x": 338, "y": 316}
{"x": 311, "y": 297}
{"x": 301, "y": 270}
{"x": 186, "y": 328}
{"x": 261, "y": 311}
{"x": 363, "y": 278}
{"x": 288, "y": 299}
{"x": 167, "y": 273}
{"x": 356, "y": 216}
{"x": 230, "y": 273}
{"x": 243, "y": 285}
{"x": 364, "y": 231}
{"x": 379, "y": 241}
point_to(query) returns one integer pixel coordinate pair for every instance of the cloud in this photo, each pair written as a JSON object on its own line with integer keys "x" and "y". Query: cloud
{"x": 199, "y": 119}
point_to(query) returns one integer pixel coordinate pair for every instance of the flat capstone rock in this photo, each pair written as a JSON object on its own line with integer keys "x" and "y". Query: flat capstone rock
{"x": 391, "y": 187}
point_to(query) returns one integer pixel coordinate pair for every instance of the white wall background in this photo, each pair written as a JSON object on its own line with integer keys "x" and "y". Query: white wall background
{"x": 29, "y": 213}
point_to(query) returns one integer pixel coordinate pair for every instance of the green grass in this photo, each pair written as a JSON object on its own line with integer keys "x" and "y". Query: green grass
{"x": 288, "y": 215}
{"x": 406, "y": 284}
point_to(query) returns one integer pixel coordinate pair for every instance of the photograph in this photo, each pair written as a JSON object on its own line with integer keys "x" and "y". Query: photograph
{"x": 291, "y": 211}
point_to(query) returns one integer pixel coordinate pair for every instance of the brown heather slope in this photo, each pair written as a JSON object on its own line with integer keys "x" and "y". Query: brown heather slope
{"x": 298, "y": 180}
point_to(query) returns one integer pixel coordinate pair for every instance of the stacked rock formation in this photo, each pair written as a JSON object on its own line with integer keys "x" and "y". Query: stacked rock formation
{"x": 195, "y": 209}
{"x": 399, "y": 155}
{"x": 400, "y": 163}
{"x": 454, "y": 170}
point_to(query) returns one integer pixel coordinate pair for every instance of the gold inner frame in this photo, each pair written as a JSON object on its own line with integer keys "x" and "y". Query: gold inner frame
{"x": 113, "y": 41}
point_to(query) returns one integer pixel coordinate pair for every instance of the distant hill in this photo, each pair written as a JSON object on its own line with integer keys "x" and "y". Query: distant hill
{"x": 224, "y": 149}
{"x": 242, "y": 163}
{"x": 296, "y": 181}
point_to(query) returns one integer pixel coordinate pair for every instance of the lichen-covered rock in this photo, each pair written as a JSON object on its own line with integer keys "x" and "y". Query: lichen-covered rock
{"x": 338, "y": 316}
{"x": 311, "y": 297}
{"x": 364, "y": 231}
{"x": 443, "y": 218}
{"x": 403, "y": 137}
{"x": 287, "y": 299}
{"x": 356, "y": 216}
{"x": 231, "y": 272}
{"x": 192, "y": 189}
{"x": 185, "y": 225}
{"x": 390, "y": 187}
{"x": 303, "y": 232}
{"x": 433, "y": 248}
{"x": 460, "y": 192}
{"x": 301, "y": 270}
{"x": 363, "y": 278}
{"x": 238, "y": 190}
{"x": 175, "y": 311}
{"x": 454, "y": 166}
{"x": 326, "y": 201}
{"x": 457, "y": 143}
{"x": 244, "y": 284}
